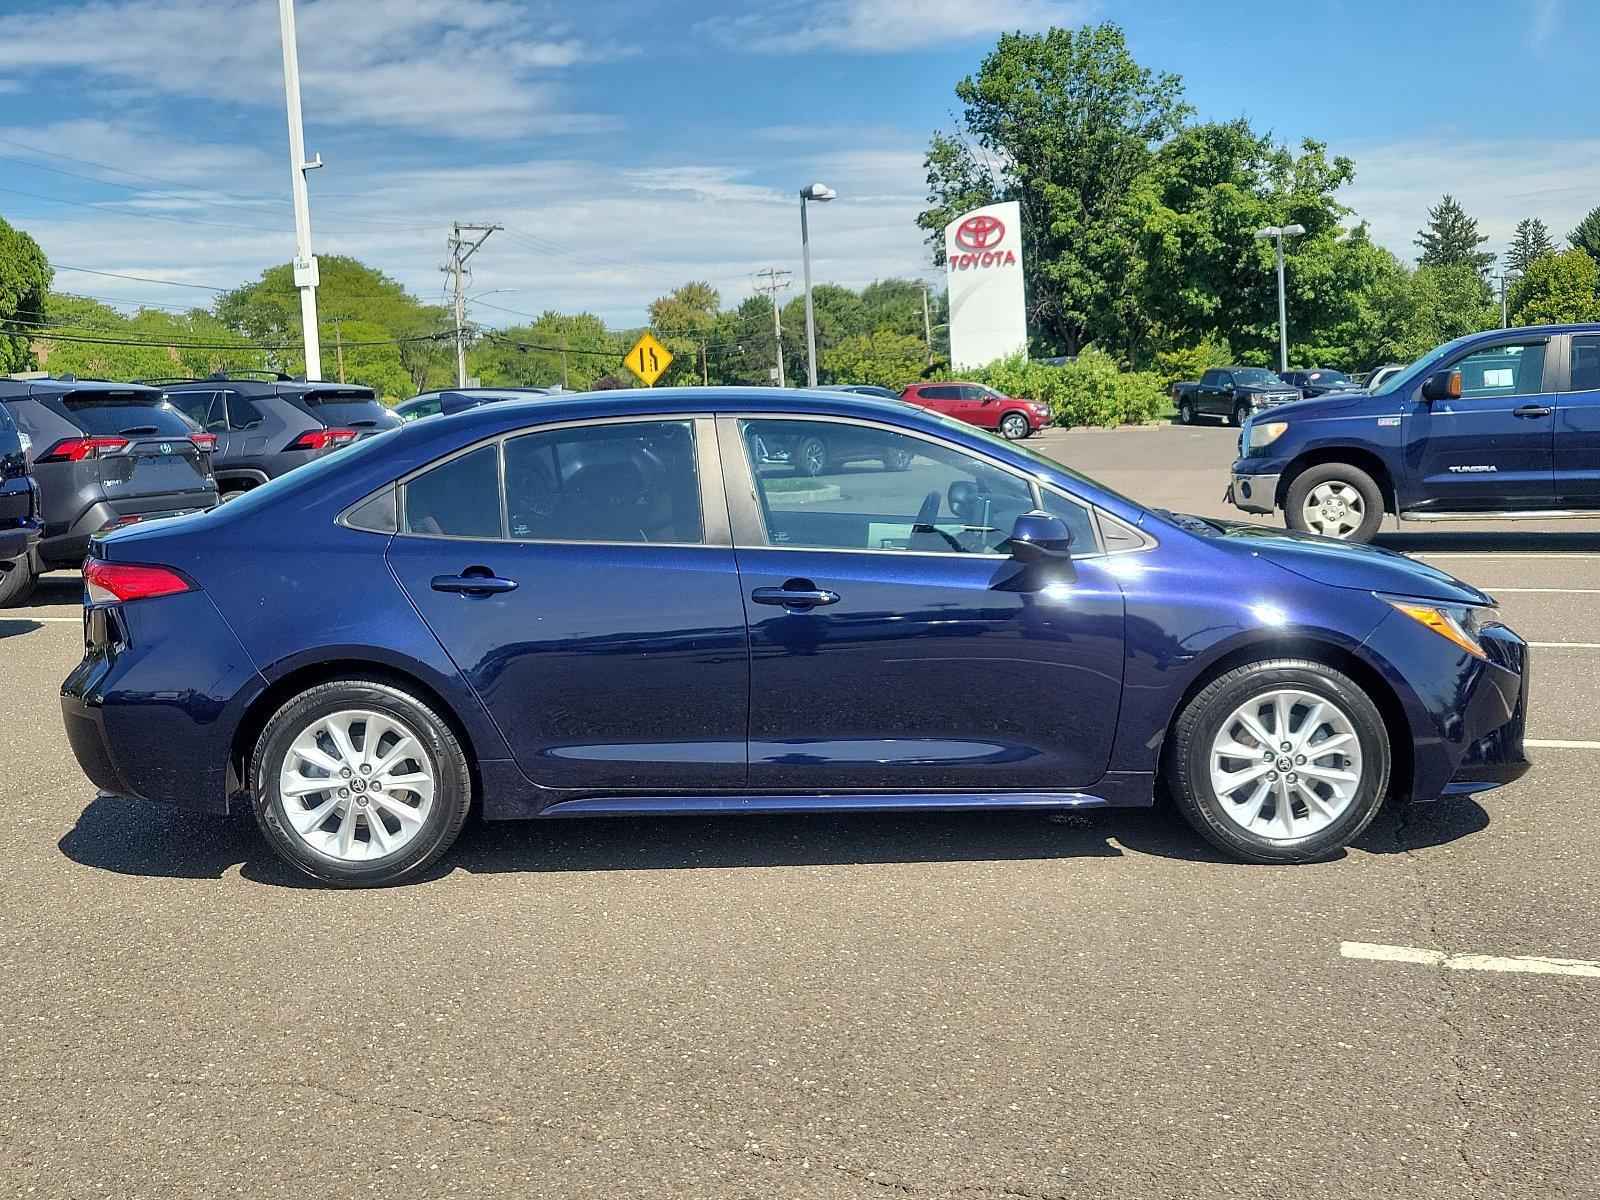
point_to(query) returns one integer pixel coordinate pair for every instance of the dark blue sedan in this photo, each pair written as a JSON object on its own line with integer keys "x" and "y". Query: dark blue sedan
{"x": 621, "y": 602}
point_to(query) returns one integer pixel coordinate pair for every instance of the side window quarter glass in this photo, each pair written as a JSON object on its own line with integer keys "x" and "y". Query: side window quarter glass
{"x": 458, "y": 498}
{"x": 1076, "y": 518}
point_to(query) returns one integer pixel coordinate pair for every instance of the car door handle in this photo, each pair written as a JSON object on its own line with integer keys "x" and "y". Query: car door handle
{"x": 794, "y": 597}
{"x": 473, "y": 583}
{"x": 1531, "y": 410}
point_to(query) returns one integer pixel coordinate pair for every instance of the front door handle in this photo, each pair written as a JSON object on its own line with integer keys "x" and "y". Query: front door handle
{"x": 474, "y": 581}
{"x": 1531, "y": 410}
{"x": 794, "y": 597}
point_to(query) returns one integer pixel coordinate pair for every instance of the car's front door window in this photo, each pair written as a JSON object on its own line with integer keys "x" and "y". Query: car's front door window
{"x": 1514, "y": 370}
{"x": 881, "y": 490}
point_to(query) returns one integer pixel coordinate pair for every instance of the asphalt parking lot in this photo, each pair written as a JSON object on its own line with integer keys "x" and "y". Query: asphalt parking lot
{"x": 950, "y": 1005}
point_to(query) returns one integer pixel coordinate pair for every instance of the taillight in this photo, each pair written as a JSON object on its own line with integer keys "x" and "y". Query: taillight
{"x": 206, "y": 441}
{"x": 321, "y": 439}
{"x": 109, "y": 582}
{"x": 78, "y": 449}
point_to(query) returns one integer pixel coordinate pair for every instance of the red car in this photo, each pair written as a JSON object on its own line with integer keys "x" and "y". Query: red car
{"x": 981, "y": 406}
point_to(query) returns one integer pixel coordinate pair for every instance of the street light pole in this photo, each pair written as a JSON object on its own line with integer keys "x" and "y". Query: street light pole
{"x": 305, "y": 263}
{"x": 1507, "y": 277}
{"x": 1278, "y": 233}
{"x": 819, "y": 192}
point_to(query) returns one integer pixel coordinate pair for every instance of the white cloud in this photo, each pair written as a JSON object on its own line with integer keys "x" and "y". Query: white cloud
{"x": 888, "y": 26}
{"x": 457, "y": 67}
{"x": 1499, "y": 181}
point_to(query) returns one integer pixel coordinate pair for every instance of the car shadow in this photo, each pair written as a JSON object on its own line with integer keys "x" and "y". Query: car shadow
{"x": 129, "y": 837}
{"x": 12, "y": 626}
{"x": 1505, "y": 542}
{"x": 58, "y": 587}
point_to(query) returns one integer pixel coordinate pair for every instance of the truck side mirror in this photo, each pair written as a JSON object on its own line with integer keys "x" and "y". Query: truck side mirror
{"x": 1442, "y": 385}
{"x": 1038, "y": 537}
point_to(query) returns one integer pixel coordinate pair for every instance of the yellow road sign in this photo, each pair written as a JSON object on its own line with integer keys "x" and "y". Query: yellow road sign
{"x": 648, "y": 359}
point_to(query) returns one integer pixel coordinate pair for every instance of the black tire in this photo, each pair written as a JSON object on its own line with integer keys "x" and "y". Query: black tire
{"x": 452, "y": 796}
{"x": 1241, "y": 413}
{"x": 1335, "y": 475}
{"x": 17, "y": 580}
{"x": 1014, "y": 426}
{"x": 1185, "y": 412}
{"x": 898, "y": 459}
{"x": 1188, "y": 762}
{"x": 811, "y": 457}
{"x": 231, "y": 492}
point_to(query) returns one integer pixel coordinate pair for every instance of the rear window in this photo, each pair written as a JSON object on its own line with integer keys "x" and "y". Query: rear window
{"x": 357, "y": 408}
{"x": 123, "y": 412}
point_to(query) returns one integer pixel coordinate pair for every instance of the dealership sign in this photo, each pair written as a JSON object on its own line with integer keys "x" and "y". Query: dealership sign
{"x": 983, "y": 259}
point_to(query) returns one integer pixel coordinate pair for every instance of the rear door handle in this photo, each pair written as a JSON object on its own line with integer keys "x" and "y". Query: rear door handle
{"x": 794, "y": 597}
{"x": 1531, "y": 410}
{"x": 473, "y": 582}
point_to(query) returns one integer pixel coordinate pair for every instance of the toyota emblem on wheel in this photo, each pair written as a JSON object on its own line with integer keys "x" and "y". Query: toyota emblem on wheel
{"x": 981, "y": 232}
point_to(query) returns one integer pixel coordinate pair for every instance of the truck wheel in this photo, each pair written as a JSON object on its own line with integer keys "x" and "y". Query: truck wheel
{"x": 1336, "y": 500}
{"x": 1185, "y": 412}
{"x": 16, "y": 581}
{"x": 1241, "y": 413}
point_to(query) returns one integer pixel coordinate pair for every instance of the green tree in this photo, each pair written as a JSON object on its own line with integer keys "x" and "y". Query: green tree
{"x": 558, "y": 349}
{"x": 1558, "y": 288}
{"x": 1451, "y": 238}
{"x": 1063, "y": 123}
{"x": 1531, "y": 239}
{"x": 837, "y": 312}
{"x": 684, "y": 320}
{"x": 95, "y": 341}
{"x": 882, "y": 357}
{"x": 24, "y": 279}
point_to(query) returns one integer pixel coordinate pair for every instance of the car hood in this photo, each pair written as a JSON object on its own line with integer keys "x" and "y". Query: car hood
{"x": 1327, "y": 405}
{"x": 1341, "y": 564}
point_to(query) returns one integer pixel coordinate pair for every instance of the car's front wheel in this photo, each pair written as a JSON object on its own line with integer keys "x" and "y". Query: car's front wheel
{"x": 17, "y": 580}
{"x": 1284, "y": 761}
{"x": 1336, "y": 500}
{"x": 1241, "y": 414}
{"x": 1014, "y": 427}
{"x": 359, "y": 783}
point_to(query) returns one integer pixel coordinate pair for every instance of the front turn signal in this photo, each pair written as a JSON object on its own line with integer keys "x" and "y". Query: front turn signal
{"x": 1454, "y": 623}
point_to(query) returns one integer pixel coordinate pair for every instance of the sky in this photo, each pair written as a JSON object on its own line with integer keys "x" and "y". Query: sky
{"x": 628, "y": 146}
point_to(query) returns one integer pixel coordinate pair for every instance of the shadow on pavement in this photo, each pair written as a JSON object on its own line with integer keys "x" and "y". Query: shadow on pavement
{"x": 1504, "y": 542}
{"x": 12, "y": 626}
{"x": 1403, "y": 828}
{"x": 132, "y": 838}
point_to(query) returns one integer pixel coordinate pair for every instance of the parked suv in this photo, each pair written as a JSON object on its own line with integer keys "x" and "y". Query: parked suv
{"x": 454, "y": 400}
{"x": 1497, "y": 424}
{"x": 19, "y": 495}
{"x": 104, "y": 454}
{"x": 981, "y": 406}
{"x": 1232, "y": 393}
{"x": 265, "y": 427}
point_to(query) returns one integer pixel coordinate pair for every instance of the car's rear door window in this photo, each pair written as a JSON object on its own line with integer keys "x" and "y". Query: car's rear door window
{"x": 458, "y": 498}
{"x": 618, "y": 481}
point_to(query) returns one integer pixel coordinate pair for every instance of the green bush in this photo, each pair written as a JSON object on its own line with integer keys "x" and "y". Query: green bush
{"x": 1191, "y": 362}
{"x": 1094, "y": 390}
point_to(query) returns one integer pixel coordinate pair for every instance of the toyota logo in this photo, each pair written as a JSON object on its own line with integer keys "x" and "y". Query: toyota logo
{"x": 981, "y": 232}
{"x": 166, "y": 447}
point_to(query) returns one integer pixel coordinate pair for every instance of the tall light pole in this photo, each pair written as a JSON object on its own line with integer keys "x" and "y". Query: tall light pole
{"x": 1279, "y": 232}
{"x": 1507, "y": 277}
{"x": 305, "y": 263}
{"x": 819, "y": 192}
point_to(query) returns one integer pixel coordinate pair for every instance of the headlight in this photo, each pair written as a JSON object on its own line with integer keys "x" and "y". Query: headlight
{"x": 1458, "y": 623}
{"x": 1266, "y": 432}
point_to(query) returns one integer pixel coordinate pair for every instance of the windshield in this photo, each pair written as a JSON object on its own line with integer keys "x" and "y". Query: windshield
{"x": 1255, "y": 377}
{"x": 1048, "y": 463}
{"x": 1421, "y": 367}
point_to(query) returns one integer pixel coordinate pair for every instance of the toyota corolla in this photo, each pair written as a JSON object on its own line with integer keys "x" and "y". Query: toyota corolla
{"x": 613, "y": 603}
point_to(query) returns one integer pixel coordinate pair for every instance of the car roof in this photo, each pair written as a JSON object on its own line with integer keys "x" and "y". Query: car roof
{"x": 264, "y": 387}
{"x": 15, "y": 389}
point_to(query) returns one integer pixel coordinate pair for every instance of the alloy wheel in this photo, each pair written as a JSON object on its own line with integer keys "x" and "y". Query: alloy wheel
{"x": 1334, "y": 509}
{"x": 1014, "y": 427}
{"x": 1286, "y": 764}
{"x": 356, "y": 785}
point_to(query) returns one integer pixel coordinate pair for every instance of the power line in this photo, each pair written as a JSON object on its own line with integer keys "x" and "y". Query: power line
{"x": 204, "y": 287}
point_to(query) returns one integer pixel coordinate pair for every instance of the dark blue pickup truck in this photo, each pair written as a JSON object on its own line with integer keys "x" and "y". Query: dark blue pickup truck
{"x": 1497, "y": 424}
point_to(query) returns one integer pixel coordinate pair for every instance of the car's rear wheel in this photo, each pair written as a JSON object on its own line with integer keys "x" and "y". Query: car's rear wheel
{"x": 897, "y": 459}
{"x": 17, "y": 580}
{"x": 1185, "y": 412}
{"x": 1284, "y": 761}
{"x": 1336, "y": 500}
{"x": 359, "y": 783}
{"x": 811, "y": 456}
{"x": 1014, "y": 426}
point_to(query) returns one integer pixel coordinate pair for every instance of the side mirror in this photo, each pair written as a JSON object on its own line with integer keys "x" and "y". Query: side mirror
{"x": 1442, "y": 385}
{"x": 1037, "y": 537}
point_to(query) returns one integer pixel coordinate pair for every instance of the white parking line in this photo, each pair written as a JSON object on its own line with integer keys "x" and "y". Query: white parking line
{"x": 1547, "y": 744}
{"x": 1589, "y": 554}
{"x": 66, "y": 620}
{"x": 1511, "y": 591}
{"x": 1567, "y": 645}
{"x": 1532, "y": 963}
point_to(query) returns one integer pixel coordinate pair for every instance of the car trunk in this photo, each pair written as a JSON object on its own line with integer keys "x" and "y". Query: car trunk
{"x": 159, "y": 457}
{"x": 347, "y": 408}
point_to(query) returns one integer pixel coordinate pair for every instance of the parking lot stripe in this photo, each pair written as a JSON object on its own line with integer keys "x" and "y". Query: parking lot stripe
{"x": 1535, "y": 964}
{"x": 1589, "y": 554}
{"x": 1567, "y": 645}
{"x": 1511, "y": 591}
{"x": 65, "y": 620}
{"x": 1549, "y": 744}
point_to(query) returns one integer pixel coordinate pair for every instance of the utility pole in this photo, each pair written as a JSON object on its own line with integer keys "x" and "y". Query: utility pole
{"x": 305, "y": 263}
{"x": 462, "y": 249}
{"x": 563, "y": 353}
{"x": 927, "y": 324}
{"x": 772, "y": 282}
{"x": 705, "y": 368}
{"x": 338, "y": 346}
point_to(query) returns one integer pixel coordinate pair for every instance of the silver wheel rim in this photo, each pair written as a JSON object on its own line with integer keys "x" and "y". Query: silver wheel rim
{"x": 1286, "y": 764}
{"x": 356, "y": 785}
{"x": 1014, "y": 427}
{"x": 1334, "y": 508}
{"x": 814, "y": 458}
